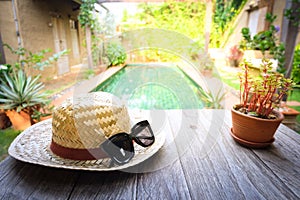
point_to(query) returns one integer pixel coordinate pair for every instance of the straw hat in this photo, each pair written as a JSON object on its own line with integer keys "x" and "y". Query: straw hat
{"x": 71, "y": 139}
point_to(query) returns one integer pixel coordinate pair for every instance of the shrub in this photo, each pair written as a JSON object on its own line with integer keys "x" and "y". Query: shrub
{"x": 265, "y": 41}
{"x": 296, "y": 66}
{"x": 116, "y": 54}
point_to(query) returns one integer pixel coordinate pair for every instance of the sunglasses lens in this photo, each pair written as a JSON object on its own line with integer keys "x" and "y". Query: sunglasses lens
{"x": 143, "y": 133}
{"x": 119, "y": 147}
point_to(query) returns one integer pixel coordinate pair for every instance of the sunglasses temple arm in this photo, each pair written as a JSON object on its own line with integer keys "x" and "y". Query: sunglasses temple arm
{"x": 112, "y": 163}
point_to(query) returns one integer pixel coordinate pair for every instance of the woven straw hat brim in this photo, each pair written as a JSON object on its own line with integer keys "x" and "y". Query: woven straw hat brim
{"x": 32, "y": 146}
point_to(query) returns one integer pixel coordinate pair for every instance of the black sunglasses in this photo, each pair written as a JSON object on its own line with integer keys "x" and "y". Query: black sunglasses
{"x": 119, "y": 147}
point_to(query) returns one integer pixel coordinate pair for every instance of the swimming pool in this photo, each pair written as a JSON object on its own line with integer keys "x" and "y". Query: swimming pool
{"x": 153, "y": 86}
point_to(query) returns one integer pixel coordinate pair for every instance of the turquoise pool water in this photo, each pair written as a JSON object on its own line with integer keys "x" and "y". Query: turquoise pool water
{"x": 153, "y": 87}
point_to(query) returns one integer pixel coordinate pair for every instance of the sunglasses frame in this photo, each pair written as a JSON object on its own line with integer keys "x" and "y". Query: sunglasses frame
{"x": 137, "y": 128}
{"x": 133, "y": 136}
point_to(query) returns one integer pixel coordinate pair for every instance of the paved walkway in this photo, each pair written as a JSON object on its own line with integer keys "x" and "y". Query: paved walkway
{"x": 84, "y": 86}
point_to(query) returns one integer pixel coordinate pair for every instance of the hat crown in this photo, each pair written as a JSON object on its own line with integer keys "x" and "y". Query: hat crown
{"x": 85, "y": 121}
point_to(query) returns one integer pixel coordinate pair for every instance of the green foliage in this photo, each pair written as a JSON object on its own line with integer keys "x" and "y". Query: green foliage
{"x": 89, "y": 73}
{"x": 115, "y": 53}
{"x": 97, "y": 49}
{"x": 155, "y": 55}
{"x": 20, "y": 92}
{"x": 212, "y": 100}
{"x": 293, "y": 15}
{"x": 42, "y": 112}
{"x": 224, "y": 14}
{"x": 86, "y": 16}
{"x": 265, "y": 41}
{"x": 6, "y": 138}
{"x": 296, "y": 66}
{"x": 183, "y": 17}
{"x": 294, "y": 95}
{"x": 28, "y": 59}
{"x": 4, "y": 69}
{"x": 107, "y": 24}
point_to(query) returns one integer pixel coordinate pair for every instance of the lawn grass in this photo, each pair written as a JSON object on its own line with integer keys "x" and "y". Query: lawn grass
{"x": 294, "y": 95}
{"x": 229, "y": 77}
{"x": 6, "y": 137}
{"x": 298, "y": 117}
{"x": 231, "y": 82}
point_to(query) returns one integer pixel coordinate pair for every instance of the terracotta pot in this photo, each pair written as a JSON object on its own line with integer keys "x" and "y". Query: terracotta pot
{"x": 252, "y": 131}
{"x": 19, "y": 120}
{"x": 4, "y": 120}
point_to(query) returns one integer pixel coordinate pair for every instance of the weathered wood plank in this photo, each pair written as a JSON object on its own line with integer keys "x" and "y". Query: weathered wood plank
{"x": 7, "y": 167}
{"x": 281, "y": 158}
{"x": 35, "y": 182}
{"x": 260, "y": 176}
{"x": 201, "y": 182}
{"x": 146, "y": 180}
{"x": 229, "y": 170}
{"x": 165, "y": 179}
{"x": 105, "y": 185}
{"x": 168, "y": 183}
{"x": 52, "y": 183}
{"x": 199, "y": 161}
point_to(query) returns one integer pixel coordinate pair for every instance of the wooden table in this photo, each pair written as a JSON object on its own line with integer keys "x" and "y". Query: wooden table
{"x": 201, "y": 161}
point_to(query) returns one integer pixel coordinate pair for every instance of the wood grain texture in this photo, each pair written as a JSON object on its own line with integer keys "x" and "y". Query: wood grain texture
{"x": 230, "y": 171}
{"x": 200, "y": 160}
{"x": 35, "y": 182}
{"x": 105, "y": 185}
{"x": 281, "y": 159}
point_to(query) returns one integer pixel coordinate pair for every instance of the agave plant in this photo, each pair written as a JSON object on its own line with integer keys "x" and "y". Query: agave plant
{"x": 212, "y": 100}
{"x": 21, "y": 93}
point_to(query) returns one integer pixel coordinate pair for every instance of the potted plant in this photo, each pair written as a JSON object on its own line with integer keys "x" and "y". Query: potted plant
{"x": 263, "y": 44}
{"x": 234, "y": 56}
{"x": 21, "y": 95}
{"x": 21, "y": 98}
{"x": 255, "y": 120}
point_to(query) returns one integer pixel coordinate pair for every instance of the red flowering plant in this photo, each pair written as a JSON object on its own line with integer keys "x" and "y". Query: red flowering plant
{"x": 234, "y": 55}
{"x": 260, "y": 95}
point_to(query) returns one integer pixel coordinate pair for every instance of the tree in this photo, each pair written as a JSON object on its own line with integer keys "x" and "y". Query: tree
{"x": 88, "y": 21}
{"x": 2, "y": 56}
{"x": 292, "y": 15}
{"x": 208, "y": 19}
